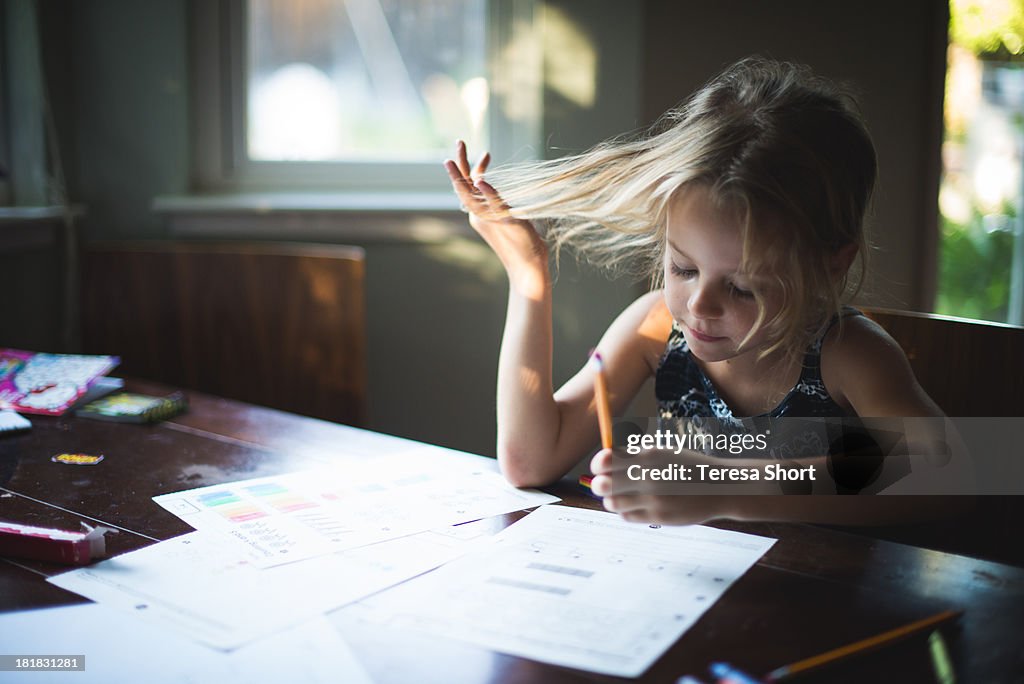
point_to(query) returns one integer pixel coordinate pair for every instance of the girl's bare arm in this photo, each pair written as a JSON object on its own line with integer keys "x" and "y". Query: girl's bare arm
{"x": 542, "y": 434}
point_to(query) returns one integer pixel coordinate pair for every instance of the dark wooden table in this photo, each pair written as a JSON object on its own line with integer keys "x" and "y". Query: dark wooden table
{"x": 814, "y": 590}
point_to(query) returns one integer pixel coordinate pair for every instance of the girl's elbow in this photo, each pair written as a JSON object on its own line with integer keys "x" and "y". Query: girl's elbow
{"x": 517, "y": 470}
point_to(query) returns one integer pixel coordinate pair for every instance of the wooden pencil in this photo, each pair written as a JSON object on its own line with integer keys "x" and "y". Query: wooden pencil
{"x": 861, "y": 646}
{"x": 604, "y": 411}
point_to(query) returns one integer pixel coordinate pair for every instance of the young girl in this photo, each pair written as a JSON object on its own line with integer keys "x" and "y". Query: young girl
{"x": 747, "y": 203}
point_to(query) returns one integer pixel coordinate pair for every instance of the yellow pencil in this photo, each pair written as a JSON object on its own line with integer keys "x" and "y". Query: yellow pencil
{"x": 604, "y": 411}
{"x": 861, "y": 646}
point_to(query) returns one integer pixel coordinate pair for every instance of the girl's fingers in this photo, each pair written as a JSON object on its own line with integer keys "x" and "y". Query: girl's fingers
{"x": 602, "y": 462}
{"x": 490, "y": 200}
{"x": 461, "y": 159}
{"x": 476, "y": 195}
{"x": 601, "y": 485}
{"x": 481, "y": 166}
{"x": 455, "y": 174}
{"x": 663, "y": 510}
{"x": 606, "y": 485}
{"x": 626, "y": 503}
{"x": 605, "y": 462}
{"x": 639, "y": 516}
{"x": 635, "y": 509}
{"x": 464, "y": 188}
{"x": 494, "y": 202}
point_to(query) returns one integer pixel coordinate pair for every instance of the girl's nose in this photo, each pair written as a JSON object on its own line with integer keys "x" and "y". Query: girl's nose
{"x": 705, "y": 303}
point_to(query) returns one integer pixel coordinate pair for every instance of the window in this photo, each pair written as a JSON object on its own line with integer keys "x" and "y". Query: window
{"x": 981, "y": 200}
{"x": 357, "y": 95}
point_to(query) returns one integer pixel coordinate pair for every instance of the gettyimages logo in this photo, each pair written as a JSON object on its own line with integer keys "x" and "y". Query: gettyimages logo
{"x": 844, "y": 456}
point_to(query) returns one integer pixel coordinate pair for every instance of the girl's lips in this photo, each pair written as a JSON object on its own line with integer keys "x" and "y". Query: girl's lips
{"x": 703, "y": 337}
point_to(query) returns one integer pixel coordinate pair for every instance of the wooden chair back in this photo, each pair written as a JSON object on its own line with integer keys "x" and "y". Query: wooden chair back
{"x": 280, "y": 325}
{"x": 970, "y": 368}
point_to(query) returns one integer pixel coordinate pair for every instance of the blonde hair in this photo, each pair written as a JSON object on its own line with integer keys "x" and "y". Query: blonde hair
{"x": 784, "y": 148}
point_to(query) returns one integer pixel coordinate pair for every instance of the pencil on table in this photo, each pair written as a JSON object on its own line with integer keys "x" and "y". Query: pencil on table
{"x": 861, "y": 646}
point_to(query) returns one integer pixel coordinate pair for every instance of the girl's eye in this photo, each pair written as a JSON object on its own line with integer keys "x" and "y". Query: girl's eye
{"x": 683, "y": 272}
{"x": 741, "y": 293}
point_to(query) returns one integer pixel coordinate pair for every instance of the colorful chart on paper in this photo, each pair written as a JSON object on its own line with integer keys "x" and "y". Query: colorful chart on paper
{"x": 300, "y": 515}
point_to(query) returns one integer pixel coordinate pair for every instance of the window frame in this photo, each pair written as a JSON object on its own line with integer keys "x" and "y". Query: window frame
{"x": 220, "y": 161}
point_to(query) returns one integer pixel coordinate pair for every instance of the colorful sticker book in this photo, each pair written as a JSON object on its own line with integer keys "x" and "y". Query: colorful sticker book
{"x": 33, "y": 382}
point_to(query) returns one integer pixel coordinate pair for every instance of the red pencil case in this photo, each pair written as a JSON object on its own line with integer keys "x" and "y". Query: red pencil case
{"x": 56, "y": 546}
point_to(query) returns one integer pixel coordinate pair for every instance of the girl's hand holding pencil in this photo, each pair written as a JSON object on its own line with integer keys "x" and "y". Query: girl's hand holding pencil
{"x": 639, "y": 503}
{"x": 643, "y": 501}
{"x": 521, "y": 250}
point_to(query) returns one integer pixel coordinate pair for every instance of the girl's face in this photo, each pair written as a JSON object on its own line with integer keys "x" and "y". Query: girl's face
{"x": 704, "y": 288}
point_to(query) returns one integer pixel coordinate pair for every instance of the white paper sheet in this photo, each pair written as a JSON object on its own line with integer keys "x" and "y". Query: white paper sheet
{"x": 122, "y": 648}
{"x": 573, "y": 587}
{"x": 302, "y": 515}
{"x": 202, "y": 585}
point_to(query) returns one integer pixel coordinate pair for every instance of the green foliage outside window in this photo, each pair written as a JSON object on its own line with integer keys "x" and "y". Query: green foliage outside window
{"x": 974, "y": 271}
{"x": 975, "y": 262}
{"x": 993, "y": 28}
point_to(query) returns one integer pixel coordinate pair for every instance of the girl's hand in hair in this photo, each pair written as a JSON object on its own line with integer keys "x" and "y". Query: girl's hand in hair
{"x": 521, "y": 250}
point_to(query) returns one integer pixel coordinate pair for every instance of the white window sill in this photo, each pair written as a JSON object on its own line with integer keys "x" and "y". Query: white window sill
{"x": 41, "y": 214}
{"x": 364, "y": 217}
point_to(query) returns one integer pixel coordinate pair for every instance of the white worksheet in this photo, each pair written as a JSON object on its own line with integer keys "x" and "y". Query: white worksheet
{"x": 573, "y": 587}
{"x": 206, "y": 586}
{"x": 121, "y": 648}
{"x": 301, "y": 515}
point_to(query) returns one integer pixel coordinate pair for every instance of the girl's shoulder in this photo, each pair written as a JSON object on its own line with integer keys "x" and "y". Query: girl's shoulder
{"x": 645, "y": 324}
{"x": 865, "y": 369}
{"x": 657, "y": 318}
{"x": 855, "y": 338}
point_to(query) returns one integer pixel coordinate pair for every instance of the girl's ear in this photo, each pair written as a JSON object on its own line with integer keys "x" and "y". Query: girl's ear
{"x": 841, "y": 260}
